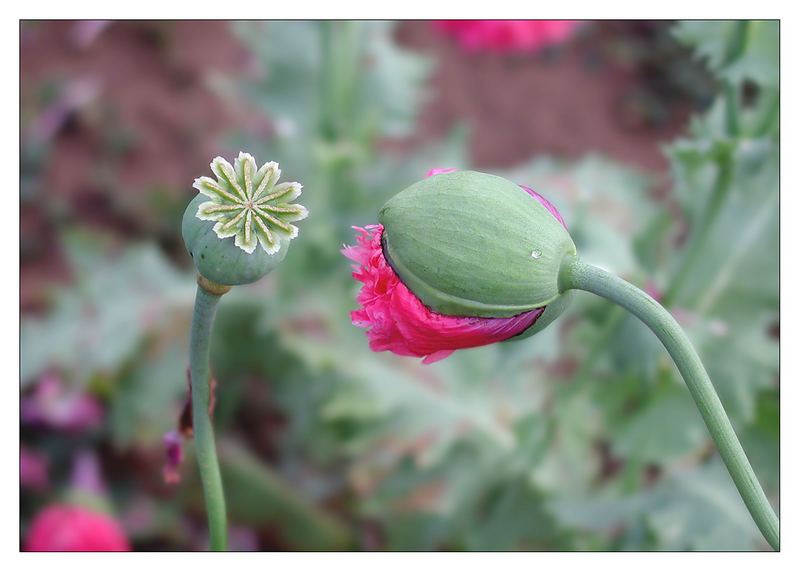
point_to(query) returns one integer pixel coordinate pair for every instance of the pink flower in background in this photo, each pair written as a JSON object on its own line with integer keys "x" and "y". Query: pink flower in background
{"x": 87, "y": 475}
{"x": 397, "y": 321}
{"x": 53, "y": 405}
{"x": 508, "y": 35}
{"x": 173, "y": 443}
{"x": 33, "y": 472}
{"x": 653, "y": 290}
{"x": 65, "y": 528}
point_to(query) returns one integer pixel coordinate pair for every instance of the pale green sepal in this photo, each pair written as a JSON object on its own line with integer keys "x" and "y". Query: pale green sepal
{"x": 551, "y": 313}
{"x": 474, "y": 244}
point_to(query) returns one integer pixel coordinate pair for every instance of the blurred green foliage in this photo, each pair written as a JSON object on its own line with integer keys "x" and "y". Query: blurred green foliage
{"x": 580, "y": 438}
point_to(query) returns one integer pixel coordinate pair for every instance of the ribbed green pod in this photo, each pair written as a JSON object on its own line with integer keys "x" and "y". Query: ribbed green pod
{"x": 473, "y": 244}
{"x": 220, "y": 260}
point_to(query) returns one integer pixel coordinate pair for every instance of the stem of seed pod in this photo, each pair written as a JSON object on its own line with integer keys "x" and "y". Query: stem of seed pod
{"x": 577, "y": 275}
{"x": 205, "y": 307}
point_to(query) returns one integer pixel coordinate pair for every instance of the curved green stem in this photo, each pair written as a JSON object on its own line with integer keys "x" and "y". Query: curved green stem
{"x": 580, "y": 276}
{"x": 205, "y": 308}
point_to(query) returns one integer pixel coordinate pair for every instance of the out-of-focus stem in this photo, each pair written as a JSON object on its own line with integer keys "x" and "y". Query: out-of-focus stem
{"x": 339, "y": 45}
{"x": 735, "y": 48}
{"x": 702, "y": 229}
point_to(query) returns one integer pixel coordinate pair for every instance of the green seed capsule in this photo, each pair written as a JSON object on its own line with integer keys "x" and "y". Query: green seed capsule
{"x": 473, "y": 244}
{"x": 220, "y": 260}
{"x": 239, "y": 227}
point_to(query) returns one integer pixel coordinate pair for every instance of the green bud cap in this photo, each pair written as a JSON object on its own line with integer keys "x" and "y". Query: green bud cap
{"x": 474, "y": 244}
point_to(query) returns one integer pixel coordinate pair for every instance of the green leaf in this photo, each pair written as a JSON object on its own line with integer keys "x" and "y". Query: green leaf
{"x": 634, "y": 349}
{"x": 257, "y": 495}
{"x": 759, "y": 61}
{"x": 710, "y": 39}
{"x": 700, "y": 509}
{"x": 99, "y": 322}
{"x": 761, "y": 440}
{"x": 665, "y": 430}
{"x": 148, "y": 399}
{"x": 741, "y": 361}
{"x": 692, "y": 509}
{"x": 396, "y": 79}
{"x": 514, "y": 518}
{"x": 739, "y": 274}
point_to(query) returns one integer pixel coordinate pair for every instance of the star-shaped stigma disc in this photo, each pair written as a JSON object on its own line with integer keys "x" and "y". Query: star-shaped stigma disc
{"x": 247, "y": 203}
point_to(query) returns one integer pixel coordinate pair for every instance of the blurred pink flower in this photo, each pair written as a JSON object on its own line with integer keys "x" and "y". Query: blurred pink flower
{"x": 33, "y": 473}
{"x": 652, "y": 289}
{"x": 507, "y": 35}
{"x": 397, "y": 321}
{"x": 51, "y": 404}
{"x": 242, "y": 539}
{"x": 65, "y": 528}
{"x": 173, "y": 441}
{"x": 87, "y": 475}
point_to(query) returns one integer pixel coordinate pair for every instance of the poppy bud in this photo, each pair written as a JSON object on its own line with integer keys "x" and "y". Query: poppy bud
{"x": 460, "y": 259}
{"x": 466, "y": 259}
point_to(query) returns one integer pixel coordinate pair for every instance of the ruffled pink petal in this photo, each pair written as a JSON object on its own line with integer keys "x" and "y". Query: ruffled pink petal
{"x": 547, "y": 204}
{"x": 437, "y": 356}
{"x": 397, "y": 321}
{"x": 433, "y": 172}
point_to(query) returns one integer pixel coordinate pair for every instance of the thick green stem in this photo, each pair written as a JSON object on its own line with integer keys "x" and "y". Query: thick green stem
{"x": 205, "y": 308}
{"x": 580, "y": 276}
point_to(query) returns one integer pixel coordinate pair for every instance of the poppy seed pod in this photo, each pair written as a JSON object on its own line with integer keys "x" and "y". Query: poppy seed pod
{"x": 473, "y": 244}
{"x": 239, "y": 227}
